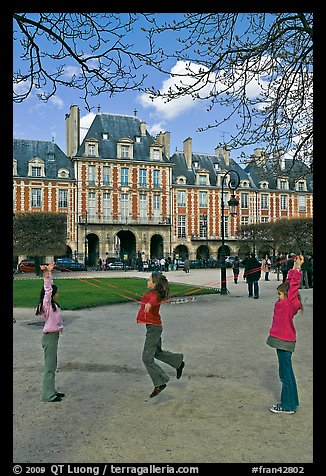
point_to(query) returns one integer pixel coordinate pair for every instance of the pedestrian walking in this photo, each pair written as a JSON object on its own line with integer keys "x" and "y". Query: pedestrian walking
{"x": 266, "y": 266}
{"x": 49, "y": 310}
{"x": 282, "y": 336}
{"x": 236, "y": 269}
{"x": 304, "y": 272}
{"x": 252, "y": 274}
{"x": 186, "y": 266}
{"x": 149, "y": 314}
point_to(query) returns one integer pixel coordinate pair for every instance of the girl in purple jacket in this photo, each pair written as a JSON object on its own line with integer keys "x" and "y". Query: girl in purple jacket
{"x": 49, "y": 310}
{"x": 282, "y": 336}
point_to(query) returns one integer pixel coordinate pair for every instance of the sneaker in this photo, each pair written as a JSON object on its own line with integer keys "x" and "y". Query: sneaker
{"x": 180, "y": 369}
{"x": 157, "y": 390}
{"x": 256, "y": 297}
{"x": 250, "y": 295}
{"x": 278, "y": 409}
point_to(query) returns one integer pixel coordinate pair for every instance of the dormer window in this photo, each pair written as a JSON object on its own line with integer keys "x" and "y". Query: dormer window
{"x": 244, "y": 183}
{"x": 283, "y": 184}
{"x": 263, "y": 184}
{"x": 196, "y": 164}
{"x": 216, "y": 166}
{"x": 105, "y": 136}
{"x": 156, "y": 152}
{"x": 301, "y": 186}
{"x": 125, "y": 149}
{"x": 181, "y": 180}
{"x": 63, "y": 173}
{"x": 36, "y": 168}
{"x": 91, "y": 148}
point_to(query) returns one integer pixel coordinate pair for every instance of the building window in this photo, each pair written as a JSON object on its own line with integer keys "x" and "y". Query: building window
{"x": 63, "y": 199}
{"x": 142, "y": 205}
{"x": 91, "y": 149}
{"x": 63, "y": 173}
{"x": 284, "y": 202}
{"x": 124, "y": 176}
{"x": 156, "y": 178}
{"x": 203, "y": 226}
{"x": 91, "y": 174}
{"x": 181, "y": 226}
{"x": 105, "y": 136}
{"x": 283, "y": 184}
{"x": 244, "y": 200}
{"x": 264, "y": 220}
{"x": 264, "y": 201}
{"x": 202, "y": 180}
{"x": 142, "y": 177}
{"x": 106, "y": 175}
{"x": 91, "y": 206}
{"x": 156, "y": 154}
{"x": 302, "y": 203}
{"x": 125, "y": 152}
{"x": 181, "y": 200}
{"x": 157, "y": 206}
{"x": 36, "y": 171}
{"x": 36, "y": 197}
{"x": 244, "y": 220}
{"x": 124, "y": 203}
{"x": 226, "y": 227}
{"x": 301, "y": 186}
{"x": 203, "y": 199}
{"x": 106, "y": 206}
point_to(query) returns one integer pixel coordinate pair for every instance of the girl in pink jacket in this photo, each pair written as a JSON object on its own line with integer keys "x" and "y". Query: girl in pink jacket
{"x": 49, "y": 310}
{"x": 282, "y": 336}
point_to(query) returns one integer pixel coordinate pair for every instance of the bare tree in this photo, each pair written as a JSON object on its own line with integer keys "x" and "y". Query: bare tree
{"x": 258, "y": 65}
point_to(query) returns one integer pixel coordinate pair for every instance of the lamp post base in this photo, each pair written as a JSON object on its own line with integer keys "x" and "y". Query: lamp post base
{"x": 223, "y": 279}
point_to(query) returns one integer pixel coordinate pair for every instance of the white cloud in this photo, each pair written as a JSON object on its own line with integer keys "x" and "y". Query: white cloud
{"x": 70, "y": 71}
{"x": 85, "y": 124}
{"x": 57, "y": 102}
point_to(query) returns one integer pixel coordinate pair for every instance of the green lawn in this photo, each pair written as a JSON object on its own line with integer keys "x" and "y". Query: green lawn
{"x": 83, "y": 292}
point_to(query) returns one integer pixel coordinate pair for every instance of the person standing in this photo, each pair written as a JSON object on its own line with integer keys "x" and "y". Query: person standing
{"x": 282, "y": 336}
{"x": 49, "y": 310}
{"x": 252, "y": 274}
{"x": 186, "y": 266}
{"x": 236, "y": 269}
{"x": 266, "y": 266}
{"x": 304, "y": 272}
{"x": 149, "y": 314}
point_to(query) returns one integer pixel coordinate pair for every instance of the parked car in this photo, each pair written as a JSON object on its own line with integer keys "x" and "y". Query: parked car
{"x": 69, "y": 264}
{"x": 179, "y": 263}
{"x": 229, "y": 261}
{"x": 115, "y": 265}
{"x": 26, "y": 266}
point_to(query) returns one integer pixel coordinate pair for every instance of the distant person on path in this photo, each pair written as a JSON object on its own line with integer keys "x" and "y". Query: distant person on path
{"x": 49, "y": 310}
{"x": 304, "y": 272}
{"x": 186, "y": 266}
{"x": 149, "y": 314}
{"x": 266, "y": 266}
{"x": 236, "y": 269}
{"x": 252, "y": 274}
{"x": 282, "y": 336}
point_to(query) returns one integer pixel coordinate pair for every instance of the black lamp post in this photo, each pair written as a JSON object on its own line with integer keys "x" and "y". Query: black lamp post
{"x": 233, "y": 205}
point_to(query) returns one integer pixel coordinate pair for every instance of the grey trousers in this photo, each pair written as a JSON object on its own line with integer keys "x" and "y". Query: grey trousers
{"x": 153, "y": 349}
{"x": 50, "y": 347}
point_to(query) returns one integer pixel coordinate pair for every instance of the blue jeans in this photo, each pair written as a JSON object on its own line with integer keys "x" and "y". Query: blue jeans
{"x": 253, "y": 285}
{"x": 289, "y": 393}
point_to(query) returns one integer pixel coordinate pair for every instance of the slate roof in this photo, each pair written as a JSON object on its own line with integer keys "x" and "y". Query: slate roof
{"x": 205, "y": 161}
{"x": 294, "y": 172}
{"x": 54, "y": 158}
{"x": 118, "y": 127}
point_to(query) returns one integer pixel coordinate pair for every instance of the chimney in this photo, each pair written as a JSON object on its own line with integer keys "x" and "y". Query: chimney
{"x": 224, "y": 152}
{"x": 259, "y": 155}
{"x": 166, "y": 143}
{"x": 187, "y": 150}
{"x": 143, "y": 128}
{"x": 72, "y": 131}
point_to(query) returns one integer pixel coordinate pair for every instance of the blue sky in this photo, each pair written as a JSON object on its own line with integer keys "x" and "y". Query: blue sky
{"x": 34, "y": 119}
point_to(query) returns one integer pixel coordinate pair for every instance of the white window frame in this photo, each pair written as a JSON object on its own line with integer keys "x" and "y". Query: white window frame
{"x": 142, "y": 205}
{"x": 91, "y": 174}
{"x": 106, "y": 208}
{"x": 124, "y": 178}
{"x": 182, "y": 232}
{"x": 36, "y": 197}
{"x": 63, "y": 198}
{"x": 181, "y": 198}
{"x": 106, "y": 175}
{"x": 244, "y": 200}
{"x": 91, "y": 206}
{"x": 202, "y": 199}
{"x": 142, "y": 177}
{"x": 124, "y": 205}
{"x": 156, "y": 205}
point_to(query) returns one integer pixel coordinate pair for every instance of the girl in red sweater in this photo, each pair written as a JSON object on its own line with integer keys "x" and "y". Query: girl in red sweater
{"x": 282, "y": 336}
{"x": 149, "y": 314}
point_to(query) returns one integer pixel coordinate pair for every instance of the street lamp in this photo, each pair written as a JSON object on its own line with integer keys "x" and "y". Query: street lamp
{"x": 233, "y": 205}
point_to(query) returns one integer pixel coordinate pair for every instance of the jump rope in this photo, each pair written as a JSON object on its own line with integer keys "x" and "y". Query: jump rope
{"x": 192, "y": 290}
